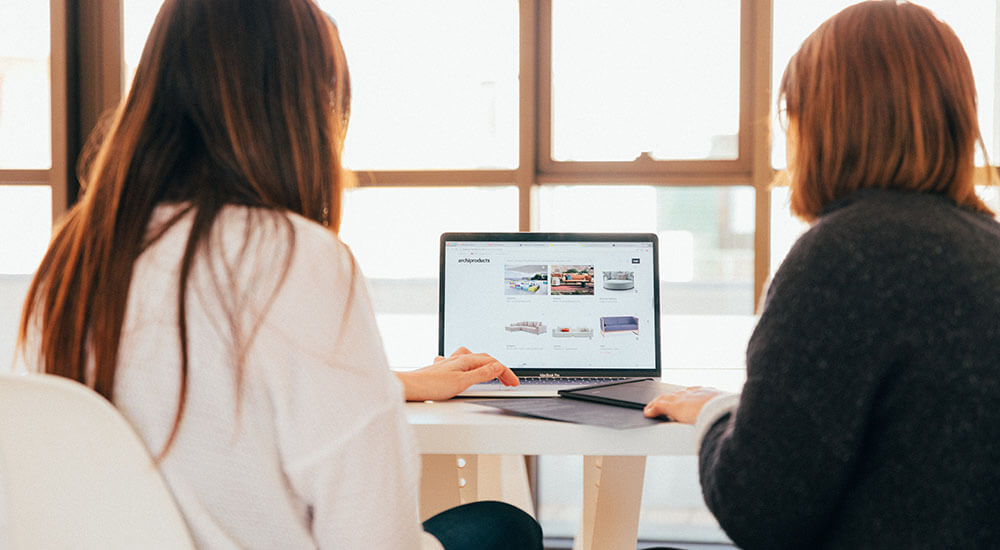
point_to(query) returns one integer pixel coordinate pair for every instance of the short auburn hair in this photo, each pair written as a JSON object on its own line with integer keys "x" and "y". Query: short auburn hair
{"x": 881, "y": 95}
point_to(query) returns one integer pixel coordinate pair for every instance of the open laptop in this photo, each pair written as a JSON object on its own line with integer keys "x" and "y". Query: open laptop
{"x": 560, "y": 309}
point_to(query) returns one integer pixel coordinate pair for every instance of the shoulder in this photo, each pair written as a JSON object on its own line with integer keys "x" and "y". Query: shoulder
{"x": 847, "y": 254}
{"x": 277, "y": 231}
{"x": 266, "y": 247}
{"x": 880, "y": 229}
{"x": 281, "y": 272}
{"x": 306, "y": 297}
{"x": 895, "y": 218}
{"x": 888, "y": 249}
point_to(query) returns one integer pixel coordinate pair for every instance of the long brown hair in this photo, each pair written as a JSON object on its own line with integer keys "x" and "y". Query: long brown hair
{"x": 881, "y": 95}
{"x": 239, "y": 102}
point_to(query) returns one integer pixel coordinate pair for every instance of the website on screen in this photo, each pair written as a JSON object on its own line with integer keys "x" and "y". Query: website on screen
{"x": 540, "y": 304}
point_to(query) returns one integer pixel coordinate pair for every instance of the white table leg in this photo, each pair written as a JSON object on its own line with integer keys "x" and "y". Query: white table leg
{"x": 450, "y": 480}
{"x": 439, "y": 488}
{"x": 504, "y": 478}
{"x": 612, "y": 498}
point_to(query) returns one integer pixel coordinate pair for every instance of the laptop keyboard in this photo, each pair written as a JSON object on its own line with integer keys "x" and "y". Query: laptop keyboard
{"x": 563, "y": 380}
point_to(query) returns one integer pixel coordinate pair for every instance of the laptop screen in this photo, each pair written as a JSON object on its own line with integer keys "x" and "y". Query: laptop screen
{"x": 574, "y": 304}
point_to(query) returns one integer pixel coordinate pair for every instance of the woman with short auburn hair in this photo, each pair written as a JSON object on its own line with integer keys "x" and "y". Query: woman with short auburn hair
{"x": 200, "y": 286}
{"x": 871, "y": 408}
{"x": 888, "y": 106}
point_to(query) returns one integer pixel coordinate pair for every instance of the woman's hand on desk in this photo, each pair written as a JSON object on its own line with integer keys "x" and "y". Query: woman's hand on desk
{"x": 681, "y": 406}
{"x": 450, "y": 375}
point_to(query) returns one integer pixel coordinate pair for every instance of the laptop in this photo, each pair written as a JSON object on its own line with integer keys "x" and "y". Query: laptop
{"x": 562, "y": 310}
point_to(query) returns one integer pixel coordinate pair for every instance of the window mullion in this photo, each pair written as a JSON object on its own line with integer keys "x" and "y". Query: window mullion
{"x": 528, "y": 115}
{"x": 59, "y": 174}
{"x": 758, "y": 19}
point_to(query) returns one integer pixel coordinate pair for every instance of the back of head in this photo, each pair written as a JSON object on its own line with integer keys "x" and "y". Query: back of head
{"x": 881, "y": 95}
{"x": 244, "y": 100}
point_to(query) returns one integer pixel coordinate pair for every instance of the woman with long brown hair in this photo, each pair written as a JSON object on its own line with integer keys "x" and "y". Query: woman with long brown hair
{"x": 199, "y": 285}
{"x": 871, "y": 409}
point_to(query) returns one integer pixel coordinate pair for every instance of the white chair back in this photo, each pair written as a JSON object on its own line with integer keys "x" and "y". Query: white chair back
{"x": 74, "y": 474}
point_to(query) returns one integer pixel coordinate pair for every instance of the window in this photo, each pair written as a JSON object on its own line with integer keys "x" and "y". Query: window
{"x": 25, "y": 135}
{"x": 26, "y": 224}
{"x": 615, "y": 70}
{"x": 137, "y": 19}
{"x": 434, "y": 85}
{"x": 394, "y": 232}
{"x": 25, "y": 106}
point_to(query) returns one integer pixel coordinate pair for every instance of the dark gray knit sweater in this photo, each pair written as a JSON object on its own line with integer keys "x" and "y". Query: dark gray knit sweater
{"x": 871, "y": 413}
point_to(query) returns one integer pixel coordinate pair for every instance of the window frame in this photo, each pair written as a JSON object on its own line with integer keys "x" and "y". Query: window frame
{"x": 87, "y": 79}
{"x": 536, "y": 166}
{"x": 51, "y": 177}
{"x": 85, "y": 69}
{"x": 645, "y": 168}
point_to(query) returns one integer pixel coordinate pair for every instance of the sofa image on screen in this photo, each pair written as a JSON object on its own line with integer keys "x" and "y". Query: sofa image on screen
{"x": 618, "y": 284}
{"x": 567, "y": 332}
{"x": 534, "y": 327}
{"x": 625, "y": 323}
{"x": 619, "y": 280}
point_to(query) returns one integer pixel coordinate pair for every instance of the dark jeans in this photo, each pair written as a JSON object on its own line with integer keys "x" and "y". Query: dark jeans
{"x": 485, "y": 525}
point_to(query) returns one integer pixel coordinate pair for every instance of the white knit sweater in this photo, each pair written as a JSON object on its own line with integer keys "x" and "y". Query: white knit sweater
{"x": 308, "y": 446}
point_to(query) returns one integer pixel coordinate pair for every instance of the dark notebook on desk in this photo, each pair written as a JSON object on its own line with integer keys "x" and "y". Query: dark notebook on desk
{"x": 561, "y": 310}
{"x": 633, "y": 394}
{"x": 602, "y": 405}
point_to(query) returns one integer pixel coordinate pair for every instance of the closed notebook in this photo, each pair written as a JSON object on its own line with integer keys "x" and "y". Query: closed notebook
{"x": 634, "y": 394}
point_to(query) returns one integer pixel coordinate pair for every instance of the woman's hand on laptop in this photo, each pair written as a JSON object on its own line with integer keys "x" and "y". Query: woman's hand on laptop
{"x": 448, "y": 376}
{"x": 681, "y": 406}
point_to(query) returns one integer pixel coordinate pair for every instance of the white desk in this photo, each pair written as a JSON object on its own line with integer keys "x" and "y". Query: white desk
{"x": 474, "y": 453}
